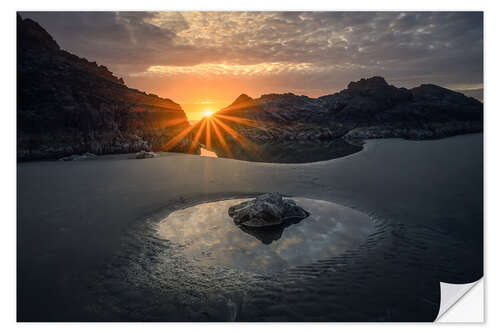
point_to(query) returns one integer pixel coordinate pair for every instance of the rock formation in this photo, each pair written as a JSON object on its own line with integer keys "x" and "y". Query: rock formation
{"x": 145, "y": 154}
{"x": 266, "y": 210}
{"x": 291, "y": 128}
{"x": 83, "y": 157}
{"x": 67, "y": 105}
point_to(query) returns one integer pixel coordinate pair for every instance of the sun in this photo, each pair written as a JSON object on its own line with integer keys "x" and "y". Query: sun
{"x": 207, "y": 113}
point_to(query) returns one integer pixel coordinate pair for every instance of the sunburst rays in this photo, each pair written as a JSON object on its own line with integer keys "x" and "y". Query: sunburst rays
{"x": 198, "y": 135}
{"x": 171, "y": 122}
{"x": 239, "y": 120}
{"x": 176, "y": 139}
{"x": 222, "y": 140}
{"x": 244, "y": 142}
{"x": 211, "y": 130}
{"x": 208, "y": 133}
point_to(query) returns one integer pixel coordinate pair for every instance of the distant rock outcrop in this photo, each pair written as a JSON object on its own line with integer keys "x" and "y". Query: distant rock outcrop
{"x": 375, "y": 82}
{"x": 67, "y": 105}
{"x": 242, "y": 99}
{"x": 83, "y": 157}
{"x": 145, "y": 154}
{"x": 291, "y": 128}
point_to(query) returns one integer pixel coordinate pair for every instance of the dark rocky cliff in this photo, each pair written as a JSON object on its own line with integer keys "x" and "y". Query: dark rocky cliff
{"x": 68, "y": 105}
{"x": 284, "y": 127}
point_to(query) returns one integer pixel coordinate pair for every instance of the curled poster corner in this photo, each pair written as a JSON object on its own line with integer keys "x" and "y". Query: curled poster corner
{"x": 451, "y": 295}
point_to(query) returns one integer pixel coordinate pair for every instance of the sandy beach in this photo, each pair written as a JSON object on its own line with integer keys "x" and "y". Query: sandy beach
{"x": 424, "y": 196}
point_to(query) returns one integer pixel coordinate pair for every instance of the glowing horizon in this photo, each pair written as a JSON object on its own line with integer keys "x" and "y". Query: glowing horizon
{"x": 208, "y": 113}
{"x": 201, "y": 59}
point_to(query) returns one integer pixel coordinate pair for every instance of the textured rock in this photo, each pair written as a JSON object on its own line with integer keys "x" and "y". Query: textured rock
{"x": 145, "y": 154}
{"x": 242, "y": 100}
{"x": 86, "y": 156}
{"x": 368, "y": 108}
{"x": 69, "y": 105}
{"x": 375, "y": 82}
{"x": 265, "y": 211}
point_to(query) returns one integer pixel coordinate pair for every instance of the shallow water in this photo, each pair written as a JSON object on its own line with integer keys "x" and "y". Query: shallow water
{"x": 425, "y": 199}
{"x": 296, "y": 152}
{"x": 207, "y": 235}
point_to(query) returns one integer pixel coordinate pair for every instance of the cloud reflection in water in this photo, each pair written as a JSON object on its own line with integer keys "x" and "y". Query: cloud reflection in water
{"x": 207, "y": 235}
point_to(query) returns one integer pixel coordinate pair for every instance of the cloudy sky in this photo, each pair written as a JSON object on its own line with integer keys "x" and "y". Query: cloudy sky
{"x": 204, "y": 60}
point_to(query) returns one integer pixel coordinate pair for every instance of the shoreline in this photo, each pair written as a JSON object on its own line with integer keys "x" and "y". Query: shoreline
{"x": 357, "y": 142}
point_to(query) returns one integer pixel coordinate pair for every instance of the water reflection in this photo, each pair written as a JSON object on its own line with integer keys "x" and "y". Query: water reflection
{"x": 206, "y": 234}
{"x": 206, "y": 152}
{"x": 269, "y": 234}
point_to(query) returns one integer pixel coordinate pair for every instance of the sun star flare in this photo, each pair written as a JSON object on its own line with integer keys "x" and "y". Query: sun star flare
{"x": 207, "y": 113}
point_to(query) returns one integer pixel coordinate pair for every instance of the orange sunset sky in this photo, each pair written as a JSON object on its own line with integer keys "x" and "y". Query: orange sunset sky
{"x": 204, "y": 60}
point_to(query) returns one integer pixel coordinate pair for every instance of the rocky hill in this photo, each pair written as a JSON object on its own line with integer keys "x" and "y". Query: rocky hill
{"x": 291, "y": 128}
{"x": 68, "y": 105}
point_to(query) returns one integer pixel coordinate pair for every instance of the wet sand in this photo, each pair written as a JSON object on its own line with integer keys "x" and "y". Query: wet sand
{"x": 425, "y": 196}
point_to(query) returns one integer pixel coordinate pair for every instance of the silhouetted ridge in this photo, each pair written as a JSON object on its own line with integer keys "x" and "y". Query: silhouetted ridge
{"x": 285, "y": 126}
{"x": 243, "y": 98}
{"x": 69, "y": 105}
{"x": 375, "y": 82}
{"x": 31, "y": 34}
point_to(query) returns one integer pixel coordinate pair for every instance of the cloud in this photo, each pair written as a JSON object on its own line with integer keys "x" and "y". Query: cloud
{"x": 324, "y": 49}
{"x": 261, "y": 69}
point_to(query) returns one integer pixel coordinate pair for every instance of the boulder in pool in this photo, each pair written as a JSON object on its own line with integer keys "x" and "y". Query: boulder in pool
{"x": 266, "y": 210}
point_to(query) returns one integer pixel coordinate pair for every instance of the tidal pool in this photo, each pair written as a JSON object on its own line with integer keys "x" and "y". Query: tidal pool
{"x": 206, "y": 234}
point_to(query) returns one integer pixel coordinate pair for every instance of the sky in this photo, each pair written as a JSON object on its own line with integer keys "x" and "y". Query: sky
{"x": 205, "y": 60}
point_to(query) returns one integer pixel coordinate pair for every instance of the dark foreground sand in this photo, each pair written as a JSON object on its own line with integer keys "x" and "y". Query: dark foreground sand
{"x": 426, "y": 195}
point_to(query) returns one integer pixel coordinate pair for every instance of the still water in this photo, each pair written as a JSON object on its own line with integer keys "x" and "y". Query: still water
{"x": 206, "y": 234}
{"x": 424, "y": 200}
